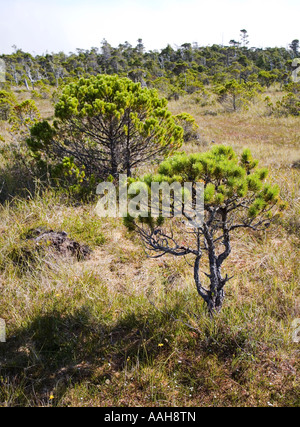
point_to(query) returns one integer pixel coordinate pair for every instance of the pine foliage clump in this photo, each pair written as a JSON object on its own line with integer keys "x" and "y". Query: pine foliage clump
{"x": 236, "y": 196}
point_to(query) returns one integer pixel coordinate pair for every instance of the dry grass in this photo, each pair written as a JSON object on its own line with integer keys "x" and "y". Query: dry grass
{"x": 120, "y": 329}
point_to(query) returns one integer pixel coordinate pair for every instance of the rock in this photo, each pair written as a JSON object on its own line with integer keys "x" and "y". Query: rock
{"x": 59, "y": 241}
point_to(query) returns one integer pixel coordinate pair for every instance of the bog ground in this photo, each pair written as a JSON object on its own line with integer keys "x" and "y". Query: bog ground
{"x": 120, "y": 329}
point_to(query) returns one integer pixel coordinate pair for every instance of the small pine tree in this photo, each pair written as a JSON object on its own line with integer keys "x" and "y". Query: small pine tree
{"x": 7, "y": 101}
{"x": 189, "y": 125}
{"x": 234, "y": 96}
{"x": 294, "y": 46}
{"x": 244, "y": 38}
{"x": 108, "y": 125}
{"x": 236, "y": 196}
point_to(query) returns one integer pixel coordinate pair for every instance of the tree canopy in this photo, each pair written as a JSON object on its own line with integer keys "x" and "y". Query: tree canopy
{"x": 184, "y": 68}
{"x": 236, "y": 196}
{"x": 107, "y": 125}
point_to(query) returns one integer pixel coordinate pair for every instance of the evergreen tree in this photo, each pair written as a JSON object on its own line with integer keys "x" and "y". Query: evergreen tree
{"x": 235, "y": 96}
{"x": 108, "y": 125}
{"x": 244, "y": 38}
{"x": 7, "y": 101}
{"x": 236, "y": 196}
{"x": 294, "y": 46}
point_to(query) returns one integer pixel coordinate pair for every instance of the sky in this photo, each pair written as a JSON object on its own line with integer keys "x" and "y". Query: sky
{"x": 40, "y": 26}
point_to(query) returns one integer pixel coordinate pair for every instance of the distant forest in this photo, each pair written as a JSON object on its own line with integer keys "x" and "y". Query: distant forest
{"x": 174, "y": 72}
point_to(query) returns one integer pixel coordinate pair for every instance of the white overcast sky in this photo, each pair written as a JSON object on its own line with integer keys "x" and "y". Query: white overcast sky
{"x": 37, "y": 26}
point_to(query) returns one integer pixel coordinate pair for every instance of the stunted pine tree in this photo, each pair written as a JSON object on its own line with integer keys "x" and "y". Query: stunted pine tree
{"x": 236, "y": 196}
{"x": 107, "y": 125}
{"x": 234, "y": 96}
{"x": 244, "y": 37}
{"x": 294, "y": 46}
{"x": 7, "y": 101}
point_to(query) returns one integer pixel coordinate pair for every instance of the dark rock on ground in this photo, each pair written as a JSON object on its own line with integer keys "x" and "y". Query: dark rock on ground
{"x": 60, "y": 242}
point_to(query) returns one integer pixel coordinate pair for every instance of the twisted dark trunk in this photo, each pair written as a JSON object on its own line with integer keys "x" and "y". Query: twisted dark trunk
{"x": 216, "y": 293}
{"x": 215, "y": 296}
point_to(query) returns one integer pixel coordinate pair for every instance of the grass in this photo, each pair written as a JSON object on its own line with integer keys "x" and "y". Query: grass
{"x": 120, "y": 329}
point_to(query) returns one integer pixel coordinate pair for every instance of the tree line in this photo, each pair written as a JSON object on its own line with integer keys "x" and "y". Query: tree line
{"x": 174, "y": 71}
